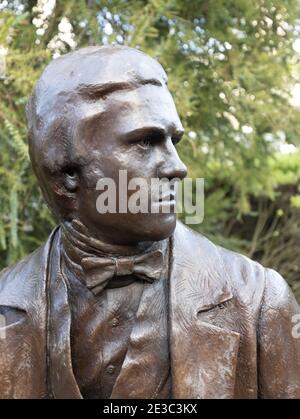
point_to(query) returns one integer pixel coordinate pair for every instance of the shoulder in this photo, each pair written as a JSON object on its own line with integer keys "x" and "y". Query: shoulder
{"x": 273, "y": 290}
{"x": 278, "y": 299}
{"x": 233, "y": 264}
{"x": 250, "y": 282}
{"x": 21, "y": 266}
{"x": 23, "y": 279}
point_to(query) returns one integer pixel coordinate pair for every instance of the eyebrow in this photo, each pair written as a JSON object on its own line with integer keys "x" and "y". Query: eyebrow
{"x": 101, "y": 91}
{"x": 151, "y": 131}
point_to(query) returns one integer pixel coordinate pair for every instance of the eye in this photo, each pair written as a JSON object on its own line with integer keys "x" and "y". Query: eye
{"x": 145, "y": 143}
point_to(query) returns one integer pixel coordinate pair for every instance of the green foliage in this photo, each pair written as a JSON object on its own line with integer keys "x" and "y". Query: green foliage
{"x": 231, "y": 67}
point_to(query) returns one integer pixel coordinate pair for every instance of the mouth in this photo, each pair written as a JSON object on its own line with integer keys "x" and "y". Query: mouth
{"x": 167, "y": 203}
{"x": 167, "y": 198}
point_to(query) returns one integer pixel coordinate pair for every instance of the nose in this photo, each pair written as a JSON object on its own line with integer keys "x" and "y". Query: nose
{"x": 171, "y": 165}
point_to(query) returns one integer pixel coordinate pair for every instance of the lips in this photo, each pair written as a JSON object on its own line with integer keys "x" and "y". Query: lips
{"x": 167, "y": 203}
{"x": 170, "y": 197}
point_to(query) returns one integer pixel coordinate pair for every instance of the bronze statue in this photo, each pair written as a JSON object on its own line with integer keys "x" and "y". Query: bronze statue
{"x": 124, "y": 305}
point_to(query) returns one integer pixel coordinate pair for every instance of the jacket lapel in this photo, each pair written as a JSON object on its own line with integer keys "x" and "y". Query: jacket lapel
{"x": 62, "y": 381}
{"x": 23, "y": 360}
{"x": 36, "y": 289}
{"x": 203, "y": 355}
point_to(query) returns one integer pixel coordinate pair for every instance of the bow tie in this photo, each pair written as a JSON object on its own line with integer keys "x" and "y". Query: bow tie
{"x": 101, "y": 270}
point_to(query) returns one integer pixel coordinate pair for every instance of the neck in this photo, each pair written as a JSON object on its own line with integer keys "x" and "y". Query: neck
{"x": 78, "y": 243}
{"x": 76, "y": 234}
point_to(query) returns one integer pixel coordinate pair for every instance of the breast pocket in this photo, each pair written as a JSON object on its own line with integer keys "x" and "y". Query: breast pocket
{"x": 224, "y": 315}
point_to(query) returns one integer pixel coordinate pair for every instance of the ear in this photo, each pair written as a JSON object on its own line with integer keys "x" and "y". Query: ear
{"x": 61, "y": 195}
{"x": 71, "y": 179}
{"x": 65, "y": 188}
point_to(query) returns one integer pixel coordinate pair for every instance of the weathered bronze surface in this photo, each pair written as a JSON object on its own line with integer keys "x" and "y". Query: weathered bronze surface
{"x": 131, "y": 305}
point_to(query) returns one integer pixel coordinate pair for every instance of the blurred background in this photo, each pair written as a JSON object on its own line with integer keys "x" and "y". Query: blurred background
{"x": 233, "y": 69}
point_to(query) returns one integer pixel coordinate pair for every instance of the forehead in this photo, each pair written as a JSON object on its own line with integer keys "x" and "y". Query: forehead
{"x": 98, "y": 67}
{"x": 123, "y": 111}
{"x": 63, "y": 77}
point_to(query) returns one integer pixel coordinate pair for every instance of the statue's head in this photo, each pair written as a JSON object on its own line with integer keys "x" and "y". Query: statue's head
{"x": 93, "y": 113}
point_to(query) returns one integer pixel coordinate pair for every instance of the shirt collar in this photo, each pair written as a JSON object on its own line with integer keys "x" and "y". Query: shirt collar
{"x": 77, "y": 243}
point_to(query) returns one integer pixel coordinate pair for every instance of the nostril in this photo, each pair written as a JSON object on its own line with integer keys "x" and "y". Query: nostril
{"x": 180, "y": 172}
{"x": 173, "y": 171}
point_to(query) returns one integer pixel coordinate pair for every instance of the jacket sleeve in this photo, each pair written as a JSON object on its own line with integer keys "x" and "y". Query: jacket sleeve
{"x": 278, "y": 341}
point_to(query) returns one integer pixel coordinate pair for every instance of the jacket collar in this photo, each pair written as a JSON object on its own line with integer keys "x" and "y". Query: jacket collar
{"x": 62, "y": 382}
{"x": 197, "y": 274}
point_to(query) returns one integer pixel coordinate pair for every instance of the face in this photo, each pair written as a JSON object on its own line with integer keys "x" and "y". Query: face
{"x": 98, "y": 113}
{"x": 134, "y": 131}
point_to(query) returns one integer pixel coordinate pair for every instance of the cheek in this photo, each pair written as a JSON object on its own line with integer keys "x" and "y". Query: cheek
{"x": 90, "y": 177}
{"x": 87, "y": 204}
{"x": 101, "y": 164}
{"x": 133, "y": 162}
{"x": 138, "y": 162}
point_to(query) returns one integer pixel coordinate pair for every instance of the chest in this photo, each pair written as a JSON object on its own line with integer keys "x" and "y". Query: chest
{"x": 104, "y": 330}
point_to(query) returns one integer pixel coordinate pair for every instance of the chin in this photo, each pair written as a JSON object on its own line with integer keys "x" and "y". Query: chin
{"x": 158, "y": 228}
{"x": 135, "y": 229}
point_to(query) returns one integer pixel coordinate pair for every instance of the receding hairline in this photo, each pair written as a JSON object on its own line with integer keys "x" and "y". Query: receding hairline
{"x": 97, "y": 89}
{"x": 68, "y": 61}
